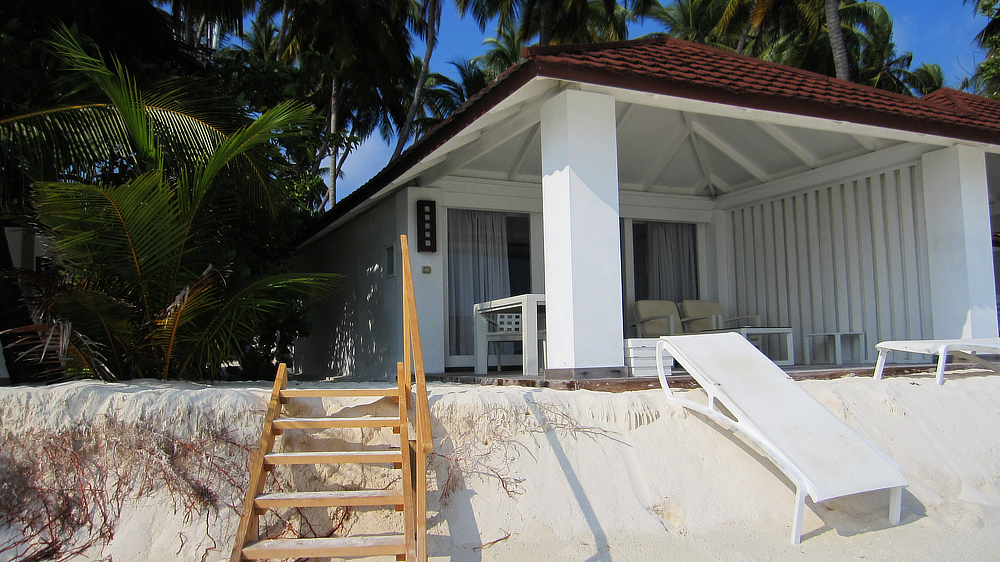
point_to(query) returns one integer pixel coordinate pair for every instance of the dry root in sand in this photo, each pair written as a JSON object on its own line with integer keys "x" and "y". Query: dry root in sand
{"x": 62, "y": 493}
{"x": 486, "y": 445}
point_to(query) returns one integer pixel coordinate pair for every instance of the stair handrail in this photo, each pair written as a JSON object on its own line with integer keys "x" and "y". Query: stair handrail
{"x": 412, "y": 348}
{"x": 413, "y": 362}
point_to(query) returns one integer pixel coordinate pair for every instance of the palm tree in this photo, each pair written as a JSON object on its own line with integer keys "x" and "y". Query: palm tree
{"x": 430, "y": 21}
{"x": 134, "y": 292}
{"x": 986, "y": 80}
{"x": 360, "y": 50}
{"x": 837, "y": 39}
{"x": 693, "y": 20}
{"x": 554, "y": 21}
{"x": 926, "y": 79}
{"x": 503, "y": 52}
{"x": 203, "y": 22}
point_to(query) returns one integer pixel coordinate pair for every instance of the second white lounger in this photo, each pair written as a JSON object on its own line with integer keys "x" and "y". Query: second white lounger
{"x": 966, "y": 349}
{"x": 817, "y": 451}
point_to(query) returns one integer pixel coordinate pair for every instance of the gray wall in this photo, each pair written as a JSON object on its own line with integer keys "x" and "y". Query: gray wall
{"x": 360, "y": 334}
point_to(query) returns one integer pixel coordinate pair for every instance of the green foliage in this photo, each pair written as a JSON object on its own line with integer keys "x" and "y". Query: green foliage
{"x": 174, "y": 270}
{"x": 137, "y": 281}
{"x": 986, "y": 80}
{"x": 795, "y": 33}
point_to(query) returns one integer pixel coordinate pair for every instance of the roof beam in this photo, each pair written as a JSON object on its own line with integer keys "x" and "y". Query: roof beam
{"x": 773, "y": 116}
{"x": 503, "y": 126}
{"x": 703, "y": 161}
{"x": 859, "y": 166}
{"x": 730, "y": 151}
{"x": 623, "y": 115}
{"x": 790, "y": 144}
{"x": 717, "y": 186}
{"x": 522, "y": 152}
{"x": 870, "y": 144}
{"x": 660, "y": 163}
{"x": 520, "y": 120}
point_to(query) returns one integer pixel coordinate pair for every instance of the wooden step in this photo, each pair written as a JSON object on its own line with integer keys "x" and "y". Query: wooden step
{"x": 336, "y": 546}
{"x": 338, "y": 392}
{"x": 330, "y": 498}
{"x": 334, "y": 457}
{"x": 322, "y": 423}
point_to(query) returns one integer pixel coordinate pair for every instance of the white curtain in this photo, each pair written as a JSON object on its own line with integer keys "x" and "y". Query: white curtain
{"x": 478, "y": 270}
{"x": 671, "y": 261}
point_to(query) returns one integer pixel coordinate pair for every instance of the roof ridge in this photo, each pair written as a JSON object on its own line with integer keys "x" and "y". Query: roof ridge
{"x": 527, "y": 52}
{"x": 531, "y": 52}
{"x": 952, "y": 95}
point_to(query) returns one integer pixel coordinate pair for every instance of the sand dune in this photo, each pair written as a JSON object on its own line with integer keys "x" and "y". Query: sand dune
{"x": 562, "y": 475}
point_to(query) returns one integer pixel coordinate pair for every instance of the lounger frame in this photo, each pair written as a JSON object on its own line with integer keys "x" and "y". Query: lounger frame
{"x": 750, "y": 434}
{"x": 961, "y": 348}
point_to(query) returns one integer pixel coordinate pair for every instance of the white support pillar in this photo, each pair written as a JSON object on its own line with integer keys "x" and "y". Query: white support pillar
{"x": 583, "y": 288}
{"x": 960, "y": 252}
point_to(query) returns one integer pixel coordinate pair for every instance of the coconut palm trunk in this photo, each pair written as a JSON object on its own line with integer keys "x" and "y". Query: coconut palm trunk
{"x": 546, "y": 14}
{"x": 837, "y": 39}
{"x": 331, "y": 193}
{"x": 281, "y": 32}
{"x": 433, "y": 19}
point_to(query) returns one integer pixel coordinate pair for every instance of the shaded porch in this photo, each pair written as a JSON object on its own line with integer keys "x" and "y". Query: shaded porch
{"x": 826, "y": 227}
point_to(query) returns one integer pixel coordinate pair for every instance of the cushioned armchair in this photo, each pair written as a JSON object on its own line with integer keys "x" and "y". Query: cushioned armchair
{"x": 700, "y": 316}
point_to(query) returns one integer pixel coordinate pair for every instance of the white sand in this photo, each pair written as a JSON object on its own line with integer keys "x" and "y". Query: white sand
{"x": 594, "y": 476}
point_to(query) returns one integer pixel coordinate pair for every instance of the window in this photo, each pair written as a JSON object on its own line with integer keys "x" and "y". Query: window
{"x": 489, "y": 257}
{"x": 389, "y": 262}
{"x": 666, "y": 262}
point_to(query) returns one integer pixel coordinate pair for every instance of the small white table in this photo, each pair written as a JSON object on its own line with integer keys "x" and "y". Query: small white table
{"x": 747, "y": 331}
{"x": 838, "y": 341}
{"x": 525, "y": 305}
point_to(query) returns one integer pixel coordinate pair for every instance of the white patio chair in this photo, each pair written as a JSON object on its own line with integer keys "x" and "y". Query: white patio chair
{"x": 504, "y": 328}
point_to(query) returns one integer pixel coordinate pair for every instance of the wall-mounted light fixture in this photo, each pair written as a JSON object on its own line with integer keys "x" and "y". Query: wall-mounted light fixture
{"x": 426, "y": 226}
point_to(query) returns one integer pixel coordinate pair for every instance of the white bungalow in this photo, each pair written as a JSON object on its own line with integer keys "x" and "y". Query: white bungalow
{"x": 599, "y": 175}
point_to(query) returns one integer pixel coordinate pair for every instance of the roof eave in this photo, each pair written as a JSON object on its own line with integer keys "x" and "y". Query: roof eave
{"x": 426, "y": 145}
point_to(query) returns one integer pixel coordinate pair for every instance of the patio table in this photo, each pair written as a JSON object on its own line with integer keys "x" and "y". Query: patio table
{"x": 747, "y": 331}
{"x": 527, "y": 306}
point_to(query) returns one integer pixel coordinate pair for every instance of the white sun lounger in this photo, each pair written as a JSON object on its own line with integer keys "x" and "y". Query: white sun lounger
{"x": 966, "y": 349}
{"x": 817, "y": 451}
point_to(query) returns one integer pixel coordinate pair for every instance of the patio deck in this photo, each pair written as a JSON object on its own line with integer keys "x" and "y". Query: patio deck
{"x": 680, "y": 379}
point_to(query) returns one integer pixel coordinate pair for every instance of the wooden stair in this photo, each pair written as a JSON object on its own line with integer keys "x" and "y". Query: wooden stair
{"x": 409, "y": 458}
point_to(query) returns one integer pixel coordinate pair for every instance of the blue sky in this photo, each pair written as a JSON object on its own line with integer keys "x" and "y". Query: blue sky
{"x": 935, "y": 31}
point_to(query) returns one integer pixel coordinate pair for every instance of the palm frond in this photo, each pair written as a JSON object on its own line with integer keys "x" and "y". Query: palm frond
{"x": 278, "y": 121}
{"x": 116, "y": 83}
{"x": 131, "y": 236}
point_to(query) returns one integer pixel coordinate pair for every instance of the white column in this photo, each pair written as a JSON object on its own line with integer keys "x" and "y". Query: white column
{"x": 583, "y": 289}
{"x": 959, "y": 247}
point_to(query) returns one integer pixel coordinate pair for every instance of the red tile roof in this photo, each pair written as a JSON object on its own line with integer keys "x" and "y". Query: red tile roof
{"x": 675, "y": 67}
{"x": 679, "y": 68}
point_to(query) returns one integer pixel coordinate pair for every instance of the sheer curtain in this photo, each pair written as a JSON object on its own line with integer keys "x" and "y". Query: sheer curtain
{"x": 478, "y": 270}
{"x": 671, "y": 261}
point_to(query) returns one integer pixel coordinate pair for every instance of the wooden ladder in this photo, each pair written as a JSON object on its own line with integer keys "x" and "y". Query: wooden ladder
{"x": 410, "y": 458}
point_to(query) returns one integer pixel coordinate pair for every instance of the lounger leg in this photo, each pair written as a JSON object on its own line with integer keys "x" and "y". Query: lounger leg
{"x": 942, "y": 362}
{"x": 895, "y": 504}
{"x": 880, "y": 364}
{"x": 800, "y": 506}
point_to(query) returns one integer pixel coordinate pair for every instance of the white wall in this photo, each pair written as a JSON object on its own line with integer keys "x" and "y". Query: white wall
{"x": 360, "y": 334}
{"x": 581, "y": 233}
{"x": 843, "y": 256}
{"x": 963, "y": 297}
